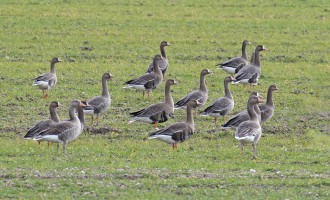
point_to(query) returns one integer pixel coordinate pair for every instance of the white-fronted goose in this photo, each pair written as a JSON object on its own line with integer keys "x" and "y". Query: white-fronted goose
{"x": 229, "y": 66}
{"x": 45, "y": 124}
{"x": 47, "y": 80}
{"x": 157, "y": 113}
{"x": 99, "y": 104}
{"x": 163, "y": 63}
{"x": 147, "y": 82}
{"x": 241, "y": 66}
{"x": 242, "y": 116}
{"x": 201, "y": 94}
{"x": 64, "y": 131}
{"x": 221, "y": 106}
{"x": 250, "y": 73}
{"x": 267, "y": 109}
{"x": 250, "y": 130}
{"x": 178, "y": 132}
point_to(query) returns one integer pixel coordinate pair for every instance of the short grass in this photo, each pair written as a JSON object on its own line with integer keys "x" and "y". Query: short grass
{"x": 93, "y": 37}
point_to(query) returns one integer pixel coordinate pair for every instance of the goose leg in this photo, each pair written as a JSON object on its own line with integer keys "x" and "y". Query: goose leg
{"x": 156, "y": 125}
{"x": 48, "y": 143}
{"x": 254, "y": 145}
{"x": 242, "y": 148}
{"x": 92, "y": 120}
{"x": 45, "y": 94}
{"x": 143, "y": 93}
{"x": 215, "y": 121}
{"x": 64, "y": 148}
{"x": 97, "y": 119}
{"x": 58, "y": 147}
{"x": 39, "y": 142}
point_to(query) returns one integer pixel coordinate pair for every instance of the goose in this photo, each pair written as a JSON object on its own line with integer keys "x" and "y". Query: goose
{"x": 201, "y": 94}
{"x": 157, "y": 113}
{"x": 267, "y": 109}
{"x": 229, "y": 66}
{"x": 250, "y": 130}
{"x": 178, "y": 132}
{"x": 250, "y": 73}
{"x": 221, "y": 106}
{"x": 163, "y": 63}
{"x": 47, "y": 80}
{"x": 242, "y": 116}
{"x": 42, "y": 125}
{"x": 64, "y": 131}
{"x": 147, "y": 82}
{"x": 99, "y": 104}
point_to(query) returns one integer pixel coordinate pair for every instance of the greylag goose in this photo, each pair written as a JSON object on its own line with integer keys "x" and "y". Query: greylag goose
{"x": 147, "y": 82}
{"x": 64, "y": 131}
{"x": 267, "y": 109}
{"x": 221, "y": 106}
{"x": 178, "y": 132}
{"x": 47, "y": 80}
{"x": 42, "y": 125}
{"x": 157, "y": 113}
{"x": 242, "y": 116}
{"x": 163, "y": 63}
{"x": 229, "y": 66}
{"x": 250, "y": 130}
{"x": 99, "y": 104}
{"x": 201, "y": 94}
{"x": 250, "y": 73}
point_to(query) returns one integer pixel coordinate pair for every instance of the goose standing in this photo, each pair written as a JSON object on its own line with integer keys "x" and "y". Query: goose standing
{"x": 221, "y": 106}
{"x": 267, "y": 109}
{"x": 99, "y": 104}
{"x": 201, "y": 94}
{"x": 64, "y": 131}
{"x": 229, "y": 66}
{"x": 178, "y": 132}
{"x": 242, "y": 116}
{"x": 157, "y": 113}
{"x": 250, "y": 73}
{"x": 45, "y": 124}
{"x": 250, "y": 130}
{"x": 163, "y": 63}
{"x": 47, "y": 80}
{"x": 147, "y": 82}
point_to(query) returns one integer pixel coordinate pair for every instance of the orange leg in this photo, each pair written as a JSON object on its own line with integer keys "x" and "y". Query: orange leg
{"x": 215, "y": 121}
{"x": 156, "y": 125}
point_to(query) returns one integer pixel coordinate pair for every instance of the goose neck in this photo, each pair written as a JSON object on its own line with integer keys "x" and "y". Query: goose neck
{"x": 52, "y": 68}
{"x": 168, "y": 96}
{"x": 53, "y": 115}
{"x": 270, "y": 98}
{"x": 105, "y": 91}
{"x": 190, "y": 118}
{"x": 202, "y": 84}
{"x": 227, "y": 91}
{"x": 244, "y": 56}
{"x": 252, "y": 114}
{"x": 162, "y": 51}
{"x": 257, "y": 58}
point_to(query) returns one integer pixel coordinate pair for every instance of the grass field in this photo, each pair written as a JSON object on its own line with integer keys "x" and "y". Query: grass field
{"x": 93, "y": 37}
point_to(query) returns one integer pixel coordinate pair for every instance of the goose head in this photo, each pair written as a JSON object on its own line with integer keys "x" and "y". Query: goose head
{"x": 165, "y": 43}
{"x": 107, "y": 76}
{"x": 255, "y": 99}
{"x": 273, "y": 88}
{"x": 56, "y": 60}
{"x": 55, "y": 104}
{"x": 171, "y": 82}
{"x": 206, "y": 71}
{"x": 245, "y": 42}
{"x": 261, "y": 48}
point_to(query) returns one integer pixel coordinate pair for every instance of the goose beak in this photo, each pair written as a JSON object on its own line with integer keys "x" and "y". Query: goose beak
{"x": 260, "y": 100}
{"x": 59, "y": 60}
{"x": 168, "y": 44}
{"x": 83, "y": 105}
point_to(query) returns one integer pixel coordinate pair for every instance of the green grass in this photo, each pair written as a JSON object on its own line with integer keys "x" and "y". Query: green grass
{"x": 293, "y": 160}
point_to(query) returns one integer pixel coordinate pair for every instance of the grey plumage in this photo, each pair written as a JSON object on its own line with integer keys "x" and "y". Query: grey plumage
{"x": 99, "y": 104}
{"x": 201, "y": 94}
{"x": 157, "y": 113}
{"x": 221, "y": 106}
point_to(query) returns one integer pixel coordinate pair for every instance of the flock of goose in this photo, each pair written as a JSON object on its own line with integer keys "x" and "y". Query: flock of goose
{"x": 246, "y": 123}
